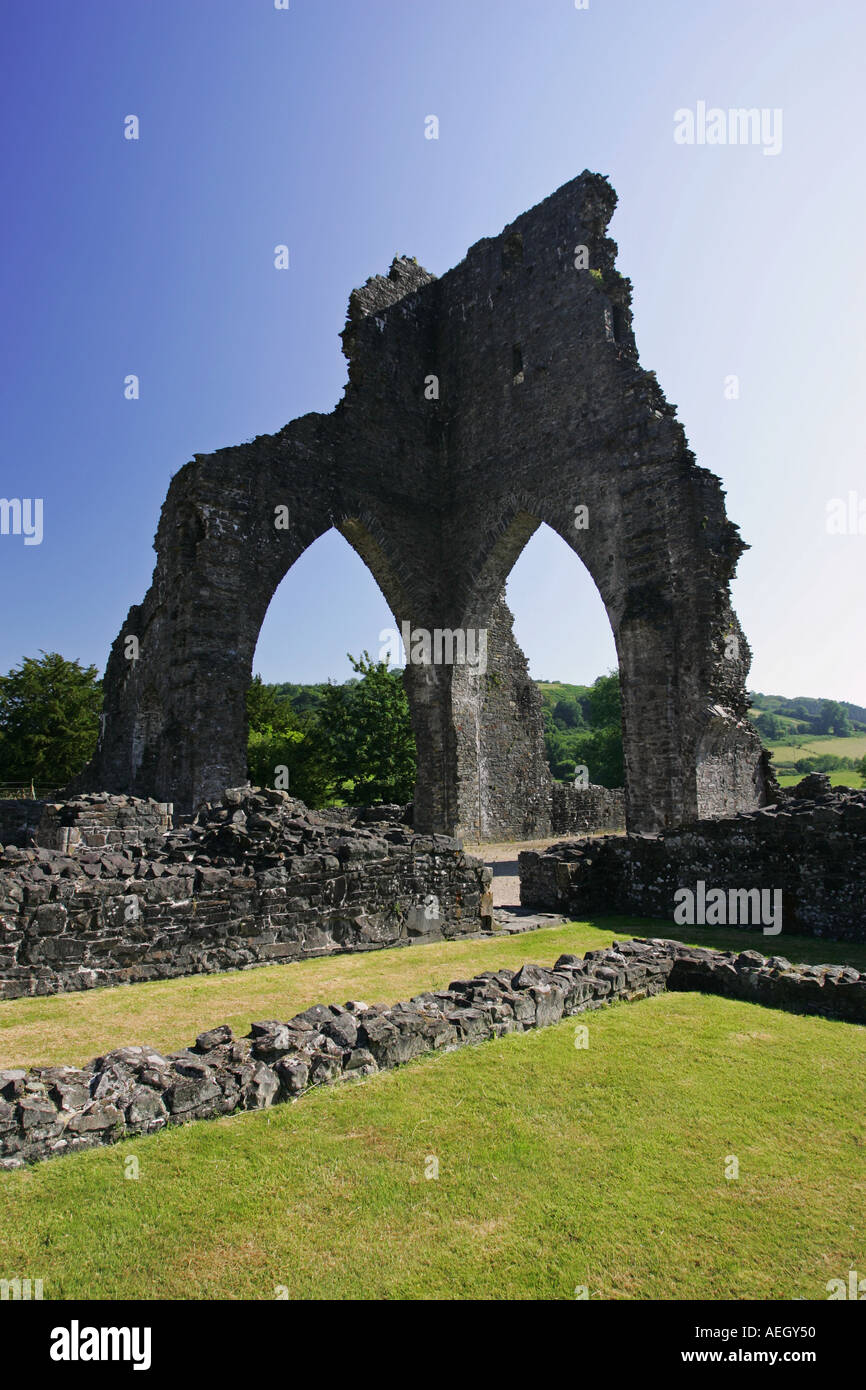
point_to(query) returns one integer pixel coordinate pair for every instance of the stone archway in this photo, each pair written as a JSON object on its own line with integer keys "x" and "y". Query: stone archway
{"x": 504, "y": 394}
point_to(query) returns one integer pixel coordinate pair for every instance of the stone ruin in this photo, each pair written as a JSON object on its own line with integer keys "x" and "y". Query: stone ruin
{"x": 809, "y": 848}
{"x": 504, "y": 394}
{"x": 49, "y": 1111}
{"x": 107, "y": 895}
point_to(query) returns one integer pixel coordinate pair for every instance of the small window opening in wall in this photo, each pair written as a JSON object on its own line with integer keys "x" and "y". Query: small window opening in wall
{"x": 516, "y": 365}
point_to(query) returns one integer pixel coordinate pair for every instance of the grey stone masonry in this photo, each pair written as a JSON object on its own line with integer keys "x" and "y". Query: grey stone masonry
{"x": 586, "y": 809}
{"x": 812, "y": 853}
{"x": 48, "y": 1111}
{"x": 88, "y": 821}
{"x": 256, "y": 878}
{"x": 504, "y": 395}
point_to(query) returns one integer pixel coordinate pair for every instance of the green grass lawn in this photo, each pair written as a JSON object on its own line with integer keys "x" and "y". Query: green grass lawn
{"x": 73, "y": 1028}
{"x": 558, "y": 1167}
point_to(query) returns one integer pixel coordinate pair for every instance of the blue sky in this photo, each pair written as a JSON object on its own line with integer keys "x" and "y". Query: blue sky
{"x": 261, "y": 126}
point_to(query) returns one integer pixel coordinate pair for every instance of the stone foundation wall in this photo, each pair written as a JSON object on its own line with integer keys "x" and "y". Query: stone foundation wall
{"x": 812, "y": 851}
{"x": 49, "y": 1111}
{"x": 97, "y": 822}
{"x": 256, "y": 878}
{"x": 586, "y": 810}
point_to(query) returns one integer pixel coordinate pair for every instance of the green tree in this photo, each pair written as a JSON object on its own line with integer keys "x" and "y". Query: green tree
{"x": 281, "y": 739}
{"x": 561, "y": 756}
{"x": 267, "y": 709}
{"x": 600, "y": 751}
{"x": 834, "y": 719}
{"x": 770, "y": 727}
{"x": 366, "y": 735}
{"x": 49, "y": 720}
{"x": 567, "y": 714}
{"x": 605, "y": 702}
{"x": 860, "y": 768}
{"x": 597, "y": 747}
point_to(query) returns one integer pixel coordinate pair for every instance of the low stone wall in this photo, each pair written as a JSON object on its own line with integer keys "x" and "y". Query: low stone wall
{"x": 809, "y": 856}
{"x": 586, "y": 810}
{"x": 98, "y": 822}
{"x": 90, "y": 821}
{"x": 832, "y": 991}
{"x": 254, "y": 879}
{"x": 49, "y": 1111}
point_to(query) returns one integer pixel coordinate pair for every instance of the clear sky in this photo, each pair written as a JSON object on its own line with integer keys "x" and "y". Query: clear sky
{"x": 305, "y": 126}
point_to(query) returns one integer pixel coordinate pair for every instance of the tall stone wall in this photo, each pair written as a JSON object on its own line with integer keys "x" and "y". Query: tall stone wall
{"x": 506, "y": 394}
{"x": 505, "y": 783}
{"x": 811, "y": 853}
{"x": 255, "y": 879}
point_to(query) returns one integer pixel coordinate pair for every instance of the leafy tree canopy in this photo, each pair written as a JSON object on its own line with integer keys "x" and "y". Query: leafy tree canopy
{"x": 834, "y": 719}
{"x": 366, "y": 735}
{"x": 49, "y": 720}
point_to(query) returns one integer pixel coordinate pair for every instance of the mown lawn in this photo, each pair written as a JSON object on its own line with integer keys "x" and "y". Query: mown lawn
{"x": 73, "y": 1028}
{"x": 558, "y": 1168}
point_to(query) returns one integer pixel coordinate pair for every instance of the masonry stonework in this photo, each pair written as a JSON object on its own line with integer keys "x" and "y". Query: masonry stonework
{"x": 256, "y": 879}
{"x": 505, "y": 394}
{"x": 586, "y": 810}
{"x": 49, "y": 1111}
{"x": 812, "y": 852}
{"x": 505, "y": 787}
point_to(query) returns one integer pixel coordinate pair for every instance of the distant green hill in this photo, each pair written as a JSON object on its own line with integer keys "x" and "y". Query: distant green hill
{"x": 301, "y": 697}
{"x": 802, "y": 708}
{"x": 582, "y": 726}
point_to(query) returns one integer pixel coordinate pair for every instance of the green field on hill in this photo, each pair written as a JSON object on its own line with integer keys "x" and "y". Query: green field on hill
{"x": 814, "y": 747}
{"x": 837, "y": 779}
{"x": 787, "y": 752}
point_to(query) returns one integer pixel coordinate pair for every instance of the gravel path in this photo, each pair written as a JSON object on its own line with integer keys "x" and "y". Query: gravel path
{"x": 502, "y": 859}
